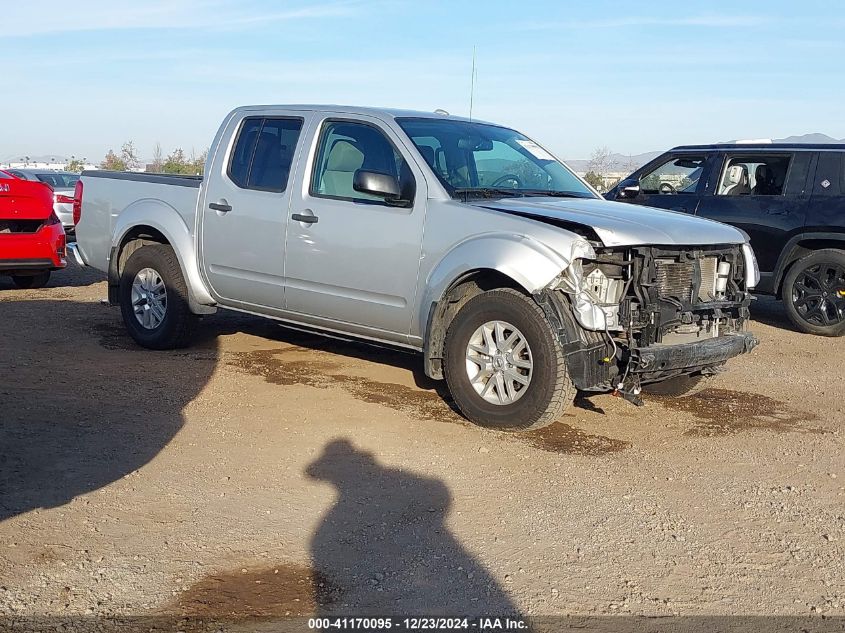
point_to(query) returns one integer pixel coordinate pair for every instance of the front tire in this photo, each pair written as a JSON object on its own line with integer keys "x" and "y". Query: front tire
{"x": 31, "y": 282}
{"x": 504, "y": 365}
{"x": 153, "y": 299}
{"x": 814, "y": 293}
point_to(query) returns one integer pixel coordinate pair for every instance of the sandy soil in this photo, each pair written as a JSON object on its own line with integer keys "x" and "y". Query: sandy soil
{"x": 268, "y": 472}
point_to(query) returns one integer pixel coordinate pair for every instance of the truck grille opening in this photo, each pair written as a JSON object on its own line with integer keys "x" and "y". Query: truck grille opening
{"x": 674, "y": 279}
{"x": 20, "y": 226}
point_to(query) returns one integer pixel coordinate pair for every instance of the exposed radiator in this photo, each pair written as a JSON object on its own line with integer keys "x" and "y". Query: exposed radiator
{"x": 674, "y": 279}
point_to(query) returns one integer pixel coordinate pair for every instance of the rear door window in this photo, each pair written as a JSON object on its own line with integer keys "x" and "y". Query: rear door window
{"x": 796, "y": 179}
{"x": 264, "y": 153}
{"x": 754, "y": 175}
{"x": 680, "y": 174}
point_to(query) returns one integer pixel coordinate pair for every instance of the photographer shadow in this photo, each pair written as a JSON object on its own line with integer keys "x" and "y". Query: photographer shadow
{"x": 385, "y": 548}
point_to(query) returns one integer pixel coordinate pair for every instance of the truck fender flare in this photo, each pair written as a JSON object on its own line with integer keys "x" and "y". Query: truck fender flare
{"x": 165, "y": 219}
{"x": 530, "y": 264}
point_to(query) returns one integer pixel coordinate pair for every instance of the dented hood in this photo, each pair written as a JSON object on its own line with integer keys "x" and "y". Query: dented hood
{"x": 620, "y": 224}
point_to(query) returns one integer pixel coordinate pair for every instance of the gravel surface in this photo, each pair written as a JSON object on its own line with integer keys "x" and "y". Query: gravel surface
{"x": 267, "y": 472}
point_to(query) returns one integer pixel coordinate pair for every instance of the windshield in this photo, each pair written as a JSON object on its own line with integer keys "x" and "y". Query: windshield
{"x": 490, "y": 161}
{"x": 59, "y": 180}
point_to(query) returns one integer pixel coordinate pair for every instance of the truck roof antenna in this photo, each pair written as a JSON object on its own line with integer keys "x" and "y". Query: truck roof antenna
{"x": 472, "y": 84}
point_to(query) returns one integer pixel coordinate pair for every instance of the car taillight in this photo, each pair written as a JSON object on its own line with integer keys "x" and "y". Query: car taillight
{"x": 53, "y": 219}
{"x": 77, "y": 202}
{"x": 61, "y": 247}
{"x": 64, "y": 199}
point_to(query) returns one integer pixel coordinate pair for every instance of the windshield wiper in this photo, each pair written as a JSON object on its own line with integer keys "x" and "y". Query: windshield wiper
{"x": 489, "y": 192}
{"x": 552, "y": 194}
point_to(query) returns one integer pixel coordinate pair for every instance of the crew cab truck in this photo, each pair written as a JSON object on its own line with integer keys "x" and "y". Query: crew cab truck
{"x": 790, "y": 200}
{"x": 464, "y": 240}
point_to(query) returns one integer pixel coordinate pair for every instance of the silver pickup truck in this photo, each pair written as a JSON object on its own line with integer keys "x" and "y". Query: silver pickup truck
{"x": 466, "y": 241}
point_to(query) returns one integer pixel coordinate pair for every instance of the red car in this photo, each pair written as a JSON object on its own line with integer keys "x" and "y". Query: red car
{"x": 32, "y": 240}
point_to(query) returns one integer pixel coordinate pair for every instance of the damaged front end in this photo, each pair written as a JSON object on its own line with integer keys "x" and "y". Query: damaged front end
{"x": 634, "y": 315}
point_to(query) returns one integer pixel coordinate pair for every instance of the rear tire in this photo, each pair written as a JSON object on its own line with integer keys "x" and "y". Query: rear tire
{"x": 31, "y": 282}
{"x": 814, "y": 293}
{"x": 678, "y": 387}
{"x": 549, "y": 390}
{"x": 172, "y": 323}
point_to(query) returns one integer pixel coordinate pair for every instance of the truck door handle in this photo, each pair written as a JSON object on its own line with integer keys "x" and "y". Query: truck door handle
{"x": 222, "y": 206}
{"x": 308, "y": 219}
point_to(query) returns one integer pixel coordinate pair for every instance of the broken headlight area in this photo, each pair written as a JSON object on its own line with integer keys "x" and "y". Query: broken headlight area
{"x": 648, "y": 313}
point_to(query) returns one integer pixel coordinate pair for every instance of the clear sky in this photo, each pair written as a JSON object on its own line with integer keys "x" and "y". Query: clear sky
{"x": 80, "y": 77}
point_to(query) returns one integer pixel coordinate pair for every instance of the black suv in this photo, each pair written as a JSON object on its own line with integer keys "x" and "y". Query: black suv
{"x": 790, "y": 199}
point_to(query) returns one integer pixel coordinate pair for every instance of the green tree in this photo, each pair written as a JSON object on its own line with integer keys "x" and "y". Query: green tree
{"x": 75, "y": 165}
{"x": 177, "y": 163}
{"x": 127, "y": 160}
{"x": 594, "y": 179}
{"x": 113, "y": 162}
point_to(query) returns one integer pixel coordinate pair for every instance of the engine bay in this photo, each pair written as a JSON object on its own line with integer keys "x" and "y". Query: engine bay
{"x": 649, "y": 313}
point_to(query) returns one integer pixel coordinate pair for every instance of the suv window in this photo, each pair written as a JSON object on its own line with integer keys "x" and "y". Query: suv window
{"x": 346, "y": 147}
{"x": 264, "y": 152}
{"x": 677, "y": 175}
{"x": 754, "y": 175}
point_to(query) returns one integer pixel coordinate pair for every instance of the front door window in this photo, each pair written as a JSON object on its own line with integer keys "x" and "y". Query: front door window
{"x": 680, "y": 174}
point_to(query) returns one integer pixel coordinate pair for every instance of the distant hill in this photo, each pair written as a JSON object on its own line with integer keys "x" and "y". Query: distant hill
{"x": 815, "y": 137}
{"x": 618, "y": 162}
{"x": 41, "y": 158}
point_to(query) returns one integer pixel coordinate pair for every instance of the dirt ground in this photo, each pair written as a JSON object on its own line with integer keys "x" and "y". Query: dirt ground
{"x": 267, "y": 472}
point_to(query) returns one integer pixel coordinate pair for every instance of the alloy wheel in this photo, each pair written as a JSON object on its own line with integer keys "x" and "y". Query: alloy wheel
{"x": 818, "y": 294}
{"x": 499, "y": 363}
{"x": 149, "y": 298}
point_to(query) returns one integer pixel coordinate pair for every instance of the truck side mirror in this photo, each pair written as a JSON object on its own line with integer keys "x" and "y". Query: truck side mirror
{"x": 377, "y": 184}
{"x": 628, "y": 189}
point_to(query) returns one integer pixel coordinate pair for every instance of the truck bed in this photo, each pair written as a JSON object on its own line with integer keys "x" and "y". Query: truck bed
{"x": 108, "y": 194}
